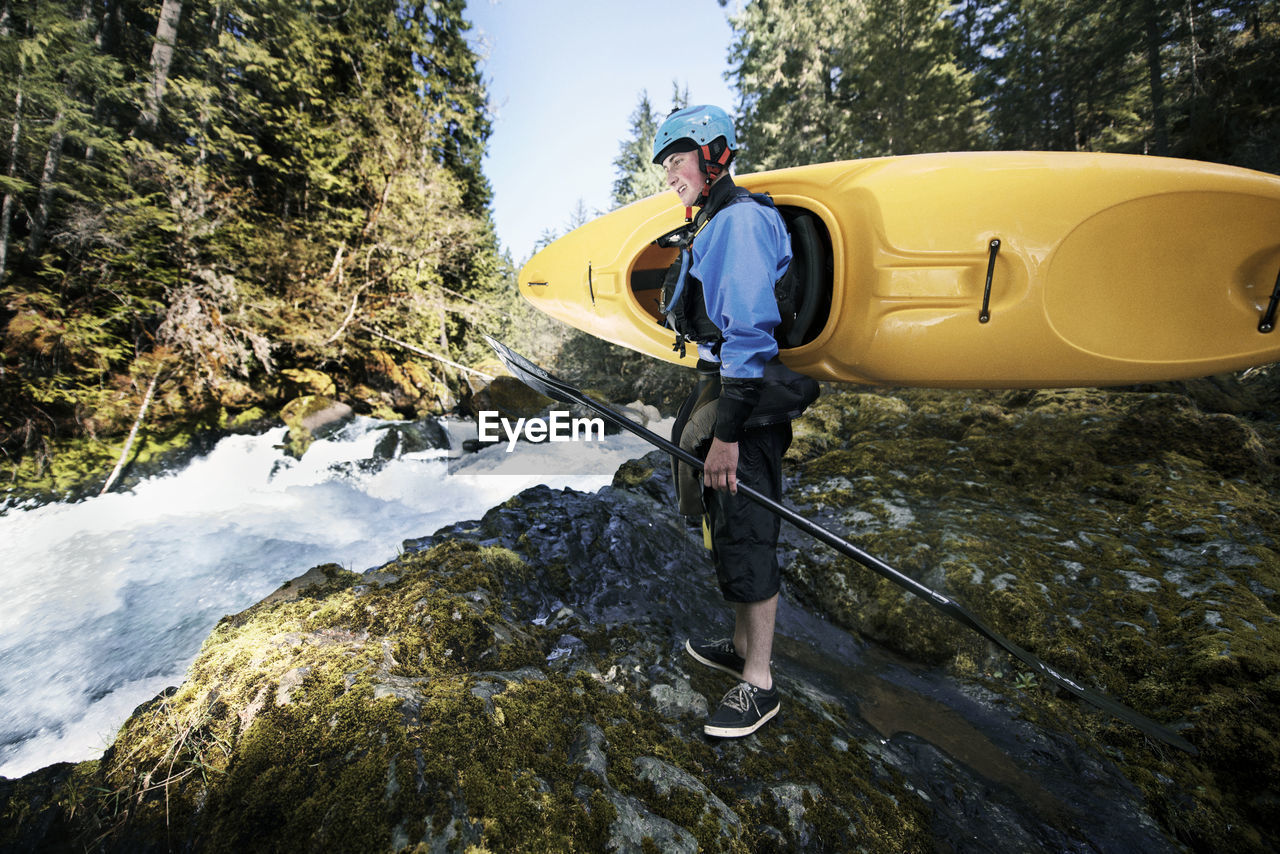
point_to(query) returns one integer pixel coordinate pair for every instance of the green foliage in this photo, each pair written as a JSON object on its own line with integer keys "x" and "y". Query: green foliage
{"x": 861, "y": 78}
{"x": 253, "y": 197}
{"x": 828, "y": 81}
{"x": 1060, "y": 76}
{"x": 638, "y": 176}
{"x": 913, "y": 94}
{"x": 787, "y": 61}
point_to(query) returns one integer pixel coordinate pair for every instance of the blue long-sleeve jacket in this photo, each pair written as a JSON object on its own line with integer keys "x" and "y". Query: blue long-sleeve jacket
{"x": 738, "y": 256}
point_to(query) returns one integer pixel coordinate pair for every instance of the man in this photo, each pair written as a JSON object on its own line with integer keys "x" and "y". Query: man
{"x": 721, "y": 296}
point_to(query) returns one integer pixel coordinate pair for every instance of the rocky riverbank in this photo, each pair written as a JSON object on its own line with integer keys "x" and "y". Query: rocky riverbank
{"x": 180, "y": 425}
{"x": 517, "y": 683}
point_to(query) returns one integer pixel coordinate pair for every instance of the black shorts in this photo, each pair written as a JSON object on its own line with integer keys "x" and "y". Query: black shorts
{"x": 744, "y": 535}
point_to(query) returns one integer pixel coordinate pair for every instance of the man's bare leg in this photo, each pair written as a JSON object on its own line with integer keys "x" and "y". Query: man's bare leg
{"x": 753, "y": 639}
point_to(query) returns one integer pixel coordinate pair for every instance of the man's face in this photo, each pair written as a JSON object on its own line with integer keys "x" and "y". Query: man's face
{"x": 684, "y": 176}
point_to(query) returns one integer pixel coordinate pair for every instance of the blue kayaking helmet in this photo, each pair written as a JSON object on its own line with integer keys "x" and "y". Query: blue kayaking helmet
{"x": 706, "y": 129}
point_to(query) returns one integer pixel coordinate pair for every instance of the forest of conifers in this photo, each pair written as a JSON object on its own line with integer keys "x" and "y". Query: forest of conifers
{"x": 207, "y": 198}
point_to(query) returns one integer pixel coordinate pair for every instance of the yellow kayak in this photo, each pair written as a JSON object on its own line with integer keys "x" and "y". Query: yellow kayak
{"x": 983, "y": 269}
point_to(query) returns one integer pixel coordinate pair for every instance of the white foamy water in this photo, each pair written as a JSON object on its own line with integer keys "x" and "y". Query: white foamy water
{"x": 105, "y": 602}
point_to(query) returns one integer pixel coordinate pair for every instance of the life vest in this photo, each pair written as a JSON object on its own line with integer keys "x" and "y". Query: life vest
{"x": 682, "y": 299}
{"x": 784, "y": 393}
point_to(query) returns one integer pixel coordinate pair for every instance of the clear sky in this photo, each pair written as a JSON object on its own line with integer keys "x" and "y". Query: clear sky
{"x": 564, "y": 77}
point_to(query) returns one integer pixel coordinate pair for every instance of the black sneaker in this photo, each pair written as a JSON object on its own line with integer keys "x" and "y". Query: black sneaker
{"x": 718, "y": 654}
{"x": 743, "y": 710}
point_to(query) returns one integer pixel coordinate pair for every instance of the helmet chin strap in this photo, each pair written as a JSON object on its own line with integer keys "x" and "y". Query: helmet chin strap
{"x": 713, "y": 167}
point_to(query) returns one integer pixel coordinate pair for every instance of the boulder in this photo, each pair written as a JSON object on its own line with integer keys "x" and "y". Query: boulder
{"x": 312, "y": 417}
{"x": 510, "y": 398}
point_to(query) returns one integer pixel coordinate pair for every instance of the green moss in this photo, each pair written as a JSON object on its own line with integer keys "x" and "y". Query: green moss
{"x": 245, "y": 420}
{"x": 309, "y": 381}
{"x": 1137, "y": 553}
{"x": 333, "y": 693}
{"x": 73, "y": 469}
{"x": 632, "y": 473}
{"x": 407, "y": 754}
{"x": 510, "y": 397}
{"x": 308, "y": 417}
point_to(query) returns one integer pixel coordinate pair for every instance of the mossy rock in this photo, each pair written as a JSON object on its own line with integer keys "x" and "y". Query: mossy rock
{"x": 311, "y": 417}
{"x": 385, "y": 374}
{"x": 237, "y": 394}
{"x": 435, "y": 397}
{"x": 510, "y": 398}
{"x": 1125, "y": 537}
{"x": 372, "y": 715}
{"x": 308, "y": 381}
{"x": 255, "y": 419}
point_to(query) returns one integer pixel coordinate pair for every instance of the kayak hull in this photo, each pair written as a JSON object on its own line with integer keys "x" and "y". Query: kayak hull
{"x": 994, "y": 270}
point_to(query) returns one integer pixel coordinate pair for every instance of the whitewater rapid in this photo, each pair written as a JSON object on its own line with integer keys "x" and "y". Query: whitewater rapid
{"x": 105, "y": 602}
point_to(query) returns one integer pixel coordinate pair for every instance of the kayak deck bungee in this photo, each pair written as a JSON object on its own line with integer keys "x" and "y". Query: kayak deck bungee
{"x": 980, "y": 269}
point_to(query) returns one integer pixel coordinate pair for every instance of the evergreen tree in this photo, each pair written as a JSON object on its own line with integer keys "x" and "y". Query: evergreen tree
{"x": 859, "y": 78}
{"x": 788, "y": 60}
{"x": 904, "y": 86}
{"x": 1224, "y": 82}
{"x": 1193, "y": 79}
{"x": 215, "y": 190}
{"x": 59, "y": 331}
{"x": 1064, "y": 76}
{"x": 638, "y": 176}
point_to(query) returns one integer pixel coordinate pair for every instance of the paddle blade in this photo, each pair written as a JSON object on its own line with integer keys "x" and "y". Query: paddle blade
{"x": 530, "y": 374}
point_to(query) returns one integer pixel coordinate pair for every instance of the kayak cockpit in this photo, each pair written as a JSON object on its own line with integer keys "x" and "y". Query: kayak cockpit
{"x": 811, "y": 261}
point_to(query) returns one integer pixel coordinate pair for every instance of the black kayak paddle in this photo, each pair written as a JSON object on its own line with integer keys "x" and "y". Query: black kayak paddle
{"x": 541, "y": 381}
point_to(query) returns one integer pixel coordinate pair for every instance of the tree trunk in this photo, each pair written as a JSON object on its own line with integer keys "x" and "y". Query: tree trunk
{"x": 1159, "y": 118}
{"x": 133, "y": 434}
{"x": 6, "y": 210}
{"x": 161, "y": 60}
{"x": 44, "y": 200}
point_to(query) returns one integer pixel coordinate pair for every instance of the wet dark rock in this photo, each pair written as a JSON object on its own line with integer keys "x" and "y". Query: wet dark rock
{"x": 410, "y": 437}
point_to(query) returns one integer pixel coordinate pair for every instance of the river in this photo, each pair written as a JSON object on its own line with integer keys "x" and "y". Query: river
{"x": 105, "y": 602}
